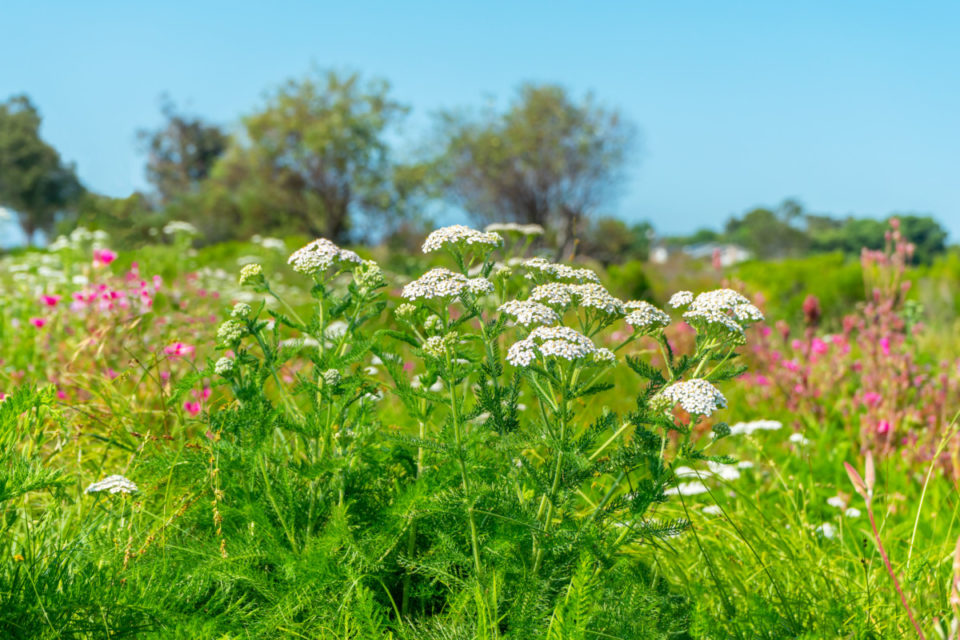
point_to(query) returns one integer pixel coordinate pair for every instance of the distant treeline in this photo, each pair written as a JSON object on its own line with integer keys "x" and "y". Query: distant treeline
{"x": 320, "y": 157}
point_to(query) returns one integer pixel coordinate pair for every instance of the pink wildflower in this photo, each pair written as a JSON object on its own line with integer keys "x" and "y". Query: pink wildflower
{"x": 103, "y": 257}
{"x": 193, "y": 408}
{"x": 38, "y": 322}
{"x": 50, "y": 301}
{"x": 178, "y": 350}
{"x": 872, "y": 398}
{"x": 885, "y": 345}
{"x": 883, "y": 426}
{"x": 818, "y": 346}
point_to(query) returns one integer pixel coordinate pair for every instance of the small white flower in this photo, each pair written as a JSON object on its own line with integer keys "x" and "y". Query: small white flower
{"x": 712, "y": 510}
{"x": 687, "y": 489}
{"x": 320, "y": 255}
{"x": 230, "y": 332}
{"x": 724, "y": 471}
{"x": 827, "y": 530}
{"x": 747, "y": 428}
{"x": 560, "y": 272}
{"x": 744, "y": 464}
{"x": 251, "y": 273}
{"x": 113, "y": 484}
{"x": 224, "y": 367}
{"x": 799, "y": 439}
{"x": 681, "y": 299}
{"x": 696, "y": 397}
{"x": 513, "y": 227}
{"x": 852, "y": 512}
{"x": 240, "y": 310}
{"x": 459, "y": 235}
{"x": 177, "y": 226}
{"x": 529, "y": 312}
{"x": 443, "y": 283}
{"x": 558, "y": 342}
{"x": 836, "y": 502}
{"x": 642, "y": 315}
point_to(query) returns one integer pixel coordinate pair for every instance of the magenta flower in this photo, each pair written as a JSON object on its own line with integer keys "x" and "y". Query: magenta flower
{"x": 885, "y": 345}
{"x": 50, "y": 301}
{"x": 103, "y": 257}
{"x": 872, "y": 398}
{"x": 179, "y": 350}
{"x": 883, "y": 427}
{"x": 819, "y": 347}
{"x": 193, "y": 408}
{"x": 38, "y": 322}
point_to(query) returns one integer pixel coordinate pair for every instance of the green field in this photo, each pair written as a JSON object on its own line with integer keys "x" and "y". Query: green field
{"x": 467, "y": 443}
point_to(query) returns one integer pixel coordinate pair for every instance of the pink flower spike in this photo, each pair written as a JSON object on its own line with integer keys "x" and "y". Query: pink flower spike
{"x": 51, "y": 301}
{"x": 885, "y": 345}
{"x": 883, "y": 427}
{"x": 38, "y": 322}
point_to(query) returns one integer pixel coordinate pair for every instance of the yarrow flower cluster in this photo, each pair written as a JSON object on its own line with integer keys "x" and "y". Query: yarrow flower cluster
{"x": 723, "y": 308}
{"x": 320, "y": 255}
{"x": 177, "y": 226}
{"x": 113, "y": 484}
{"x": 224, "y": 367}
{"x": 560, "y": 271}
{"x": 747, "y": 428}
{"x": 696, "y": 397}
{"x": 251, "y": 274}
{"x": 558, "y": 342}
{"x": 230, "y": 332}
{"x": 644, "y": 316}
{"x": 241, "y": 310}
{"x": 443, "y": 283}
{"x": 591, "y": 294}
{"x": 459, "y": 235}
{"x": 513, "y": 227}
{"x": 529, "y": 312}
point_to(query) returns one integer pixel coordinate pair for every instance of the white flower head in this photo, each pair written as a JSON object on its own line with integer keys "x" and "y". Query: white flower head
{"x": 836, "y": 502}
{"x": 696, "y": 397}
{"x": 251, "y": 274}
{"x": 513, "y": 227}
{"x": 747, "y": 428}
{"x": 113, "y": 484}
{"x": 555, "y": 294}
{"x": 178, "y": 226}
{"x": 560, "y": 272}
{"x": 224, "y": 367}
{"x": 529, "y": 312}
{"x": 680, "y": 299}
{"x": 723, "y": 309}
{"x": 643, "y": 316}
{"x": 799, "y": 439}
{"x": 827, "y": 530}
{"x": 320, "y": 255}
{"x": 459, "y": 236}
{"x": 443, "y": 283}
{"x": 852, "y": 512}
{"x": 231, "y": 332}
{"x": 552, "y": 342}
{"x": 687, "y": 489}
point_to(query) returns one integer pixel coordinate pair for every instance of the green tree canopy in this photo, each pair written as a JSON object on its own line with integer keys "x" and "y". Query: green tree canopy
{"x": 547, "y": 159}
{"x": 34, "y": 182}
{"x": 181, "y": 154}
{"x": 313, "y": 160}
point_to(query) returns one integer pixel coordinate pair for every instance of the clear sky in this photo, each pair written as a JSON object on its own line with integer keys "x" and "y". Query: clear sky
{"x": 850, "y": 107}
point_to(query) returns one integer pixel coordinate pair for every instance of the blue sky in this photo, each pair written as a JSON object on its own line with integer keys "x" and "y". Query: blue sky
{"x": 850, "y": 107}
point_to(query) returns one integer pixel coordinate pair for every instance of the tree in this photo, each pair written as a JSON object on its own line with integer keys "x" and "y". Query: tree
{"x": 547, "y": 160}
{"x": 34, "y": 182}
{"x": 182, "y": 153}
{"x": 315, "y": 159}
{"x": 611, "y": 241}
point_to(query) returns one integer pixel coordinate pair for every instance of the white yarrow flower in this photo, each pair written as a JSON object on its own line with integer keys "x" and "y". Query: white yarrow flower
{"x": 320, "y": 255}
{"x": 459, "y": 235}
{"x": 681, "y": 299}
{"x": 644, "y": 316}
{"x": 443, "y": 283}
{"x": 696, "y": 397}
{"x": 113, "y": 484}
{"x": 529, "y": 312}
{"x": 552, "y": 342}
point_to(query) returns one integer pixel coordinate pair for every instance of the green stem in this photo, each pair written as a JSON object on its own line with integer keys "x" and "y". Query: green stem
{"x": 458, "y": 437}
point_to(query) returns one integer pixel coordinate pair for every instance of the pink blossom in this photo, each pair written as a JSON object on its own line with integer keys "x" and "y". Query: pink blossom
{"x": 791, "y": 365}
{"x": 872, "y": 398}
{"x": 50, "y": 301}
{"x": 103, "y": 257}
{"x": 38, "y": 322}
{"x": 796, "y": 345}
{"x": 61, "y": 394}
{"x": 193, "y": 408}
{"x": 110, "y": 373}
{"x": 178, "y": 349}
{"x": 761, "y": 380}
{"x": 819, "y": 347}
{"x": 885, "y": 345}
{"x": 883, "y": 426}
